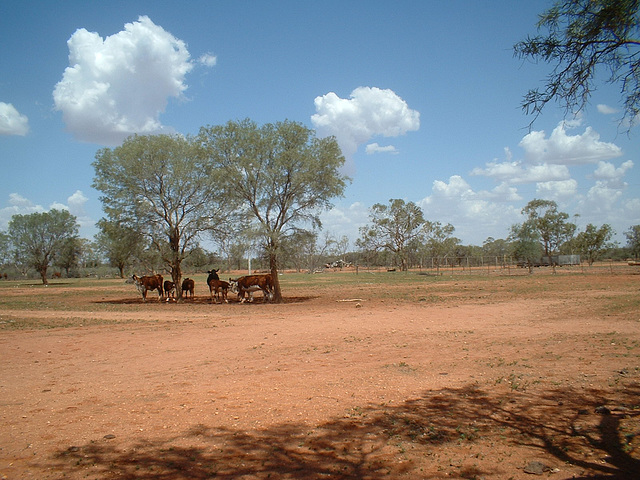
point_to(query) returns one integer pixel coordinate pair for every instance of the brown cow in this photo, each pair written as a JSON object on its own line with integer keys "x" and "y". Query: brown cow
{"x": 169, "y": 289}
{"x": 215, "y": 287}
{"x": 213, "y": 275}
{"x": 251, "y": 283}
{"x": 144, "y": 284}
{"x": 188, "y": 287}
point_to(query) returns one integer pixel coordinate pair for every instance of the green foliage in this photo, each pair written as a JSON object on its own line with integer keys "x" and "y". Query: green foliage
{"x": 394, "y": 227}
{"x": 440, "y": 241}
{"x": 550, "y": 224}
{"x": 594, "y": 242}
{"x": 495, "y": 247}
{"x": 580, "y": 37}
{"x": 525, "y": 243}
{"x": 633, "y": 240}
{"x": 38, "y": 238}
{"x": 119, "y": 243}
{"x": 401, "y": 230}
{"x": 5, "y": 247}
{"x": 280, "y": 174}
{"x": 69, "y": 255}
{"x": 165, "y": 188}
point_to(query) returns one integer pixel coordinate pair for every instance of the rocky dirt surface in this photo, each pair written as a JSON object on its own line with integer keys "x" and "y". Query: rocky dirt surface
{"x": 505, "y": 378}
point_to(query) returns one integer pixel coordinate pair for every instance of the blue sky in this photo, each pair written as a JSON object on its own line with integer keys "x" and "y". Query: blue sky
{"x": 422, "y": 96}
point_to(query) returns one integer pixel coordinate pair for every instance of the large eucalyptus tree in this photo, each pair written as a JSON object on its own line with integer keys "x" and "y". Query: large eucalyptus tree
{"x": 282, "y": 175}
{"x": 164, "y": 188}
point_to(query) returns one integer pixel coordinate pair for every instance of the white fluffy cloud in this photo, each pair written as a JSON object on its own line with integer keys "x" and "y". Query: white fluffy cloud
{"x": 606, "y": 109}
{"x": 609, "y": 187}
{"x": 373, "y": 148}
{"x": 119, "y": 85}
{"x": 12, "y": 122}
{"x": 517, "y": 172}
{"x": 608, "y": 172}
{"x": 547, "y": 160}
{"x": 557, "y": 189}
{"x": 368, "y": 112}
{"x": 20, "y": 205}
{"x": 475, "y": 215}
{"x": 563, "y": 149}
{"x": 548, "y": 163}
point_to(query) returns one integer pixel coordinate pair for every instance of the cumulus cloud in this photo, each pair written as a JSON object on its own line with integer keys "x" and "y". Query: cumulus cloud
{"x": 608, "y": 172}
{"x": 547, "y": 161}
{"x": 502, "y": 193}
{"x": 601, "y": 198}
{"x": 606, "y": 109}
{"x": 475, "y": 215}
{"x": 12, "y": 122}
{"x": 368, "y": 112}
{"x": 20, "y": 205}
{"x": 76, "y": 206}
{"x": 563, "y": 149}
{"x": 517, "y": 172}
{"x": 375, "y": 148}
{"x": 345, "y": 221}
{"x": 557, "y": 189}
{"x": 119, "y": 85}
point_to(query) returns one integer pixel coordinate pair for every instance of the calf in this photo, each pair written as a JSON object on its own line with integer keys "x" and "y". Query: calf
{"x": 217, "y": 286}
{"x": 188, "y": 287}
{"x": 169, "y": 289}
{"x": 251, "y": 283}
{"x": 146, "y": 283}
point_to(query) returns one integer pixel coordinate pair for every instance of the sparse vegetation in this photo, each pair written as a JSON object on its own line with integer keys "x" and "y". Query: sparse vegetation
{"x": 472, "y": 384}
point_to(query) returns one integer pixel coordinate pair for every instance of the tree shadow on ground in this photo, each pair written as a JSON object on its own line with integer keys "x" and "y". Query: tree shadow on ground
{"x": 563, "y": 427}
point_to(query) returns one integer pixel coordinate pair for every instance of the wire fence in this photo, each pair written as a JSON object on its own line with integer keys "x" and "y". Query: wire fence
{"x": 509, "y": 266}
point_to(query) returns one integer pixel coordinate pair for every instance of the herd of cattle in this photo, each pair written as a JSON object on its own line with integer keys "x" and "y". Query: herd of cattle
{"x": 218, "y": 289}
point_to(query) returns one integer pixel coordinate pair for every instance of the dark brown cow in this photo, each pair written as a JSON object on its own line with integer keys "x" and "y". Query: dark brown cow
{"x": 188, "y": 287}
{"x": 213, "y": 275}
{"x": 251, "y": 283}
{"x": 144, "y": 284}
{"x": 169, "y": 289}
{"x": 217, "y": 286}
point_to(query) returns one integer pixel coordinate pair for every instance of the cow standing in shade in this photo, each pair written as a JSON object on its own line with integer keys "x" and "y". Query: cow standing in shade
{"x": 169, "y": 289}
{"x": 251, "y": 283}
{"x": 146, "y": 283}
{"x": 217, "y": 287}
{"x": 188, "y": 287}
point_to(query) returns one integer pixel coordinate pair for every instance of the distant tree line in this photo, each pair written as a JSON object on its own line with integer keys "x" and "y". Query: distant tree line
{"x": 398, "y": 237}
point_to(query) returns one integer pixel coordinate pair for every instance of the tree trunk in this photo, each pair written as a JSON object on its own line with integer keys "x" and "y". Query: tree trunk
{"x": 176, "y": 278}
{"x": 273, "y": 264}
{"x": 43, "y": 274}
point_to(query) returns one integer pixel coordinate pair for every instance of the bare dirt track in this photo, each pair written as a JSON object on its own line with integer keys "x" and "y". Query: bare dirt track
{"x": 505, "y": 377}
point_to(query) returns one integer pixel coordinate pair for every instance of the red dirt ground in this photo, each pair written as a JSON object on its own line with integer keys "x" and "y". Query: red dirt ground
{"x": 469, "y": 379}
